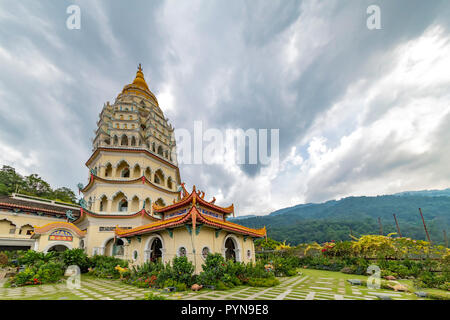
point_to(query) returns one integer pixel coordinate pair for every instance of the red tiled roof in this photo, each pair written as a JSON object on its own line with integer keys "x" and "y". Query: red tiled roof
{"x": 194, "y": 197}
{"x": 9, "y": 202}
{"x": 192, "y": 216}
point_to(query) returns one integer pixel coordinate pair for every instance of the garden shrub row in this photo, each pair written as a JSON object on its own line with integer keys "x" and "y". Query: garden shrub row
{"x": 429, "y": 265}
{"x": 41, "y": 268}
{"x": 217, "y": 273}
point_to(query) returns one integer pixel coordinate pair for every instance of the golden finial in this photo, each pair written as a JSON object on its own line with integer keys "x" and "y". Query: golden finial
{"x": 139, "y": 67}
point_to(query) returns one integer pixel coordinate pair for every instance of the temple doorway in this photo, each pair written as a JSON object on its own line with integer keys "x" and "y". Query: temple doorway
{"x": 156, "y": 250}
{"x": 57, "y": 248}
{"x": 230, "y": 250}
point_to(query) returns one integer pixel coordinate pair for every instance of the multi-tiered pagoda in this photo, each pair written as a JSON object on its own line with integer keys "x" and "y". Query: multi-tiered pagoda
{"x": 134, "y": 205}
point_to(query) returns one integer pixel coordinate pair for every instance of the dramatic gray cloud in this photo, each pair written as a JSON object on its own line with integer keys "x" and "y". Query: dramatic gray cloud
{"x": 360, "y": 112}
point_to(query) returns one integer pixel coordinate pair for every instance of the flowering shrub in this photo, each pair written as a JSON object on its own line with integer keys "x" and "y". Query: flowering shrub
{"x": 182, "y": 270}
{"x": 39, "y": 273}
{"x": 105, "y": 267}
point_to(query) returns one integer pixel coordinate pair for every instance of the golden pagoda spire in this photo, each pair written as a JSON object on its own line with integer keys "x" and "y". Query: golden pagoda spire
{"x": 140, "y": 80}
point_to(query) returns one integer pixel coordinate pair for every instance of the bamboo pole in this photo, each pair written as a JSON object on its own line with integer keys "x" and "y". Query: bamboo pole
{"x": 398, "y": 228}
{"x": 425, "y": 226}
{"x": 381, "y": 226}
{"x": 445, "y": 239}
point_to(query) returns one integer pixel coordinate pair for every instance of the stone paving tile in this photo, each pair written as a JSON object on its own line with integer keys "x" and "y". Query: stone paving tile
{"x": 299, "y": 287}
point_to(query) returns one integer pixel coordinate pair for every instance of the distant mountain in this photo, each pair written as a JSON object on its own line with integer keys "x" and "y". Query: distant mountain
{"x": 332, "y": 220}
{"x": 242, "y": 217}
{"x": 426, "y": 193}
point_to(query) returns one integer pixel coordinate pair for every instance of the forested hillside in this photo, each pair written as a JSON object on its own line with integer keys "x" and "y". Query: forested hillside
{"x": 333, "y": 220}
{"x": 32, "y": 185}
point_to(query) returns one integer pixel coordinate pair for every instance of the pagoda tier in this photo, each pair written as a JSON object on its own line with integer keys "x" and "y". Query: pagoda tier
{"x": 135, "y": 120}
{"x": 133, "y": 164}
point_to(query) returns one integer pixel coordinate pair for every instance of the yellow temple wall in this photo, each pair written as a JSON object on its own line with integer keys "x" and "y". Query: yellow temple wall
{"x": 44, "y": 244}
{"x": 21, "y": 222}
{"x": 182, "y": 238}
{"x": 141, "y": 191}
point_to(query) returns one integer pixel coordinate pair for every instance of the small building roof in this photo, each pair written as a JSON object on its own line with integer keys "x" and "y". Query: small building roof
{"x": 58, "y": 225}
{"x": 35, "y": 204}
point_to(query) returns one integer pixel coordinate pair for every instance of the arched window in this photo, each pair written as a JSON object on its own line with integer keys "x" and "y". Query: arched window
{"x": 182, "y": 252}
{"x": 116, "y": 139}
{"x": 103, "y": 203}
{"x": 230, "y": 253}
{"x": 160, "y": 202}
{"x": 108, "y": 170}
{"x": 133, "y": 141}
{"x": 205, "y": 252}
{"x": 153, "y": 147}
{"x": 136, "y": 171}
{"x": 169, "y": 183}
{"x": 156, "y": 250}
{"x": 159, "y": 177}
{"x": 124, "y": 141}
{"x": 135, "y": 204}
{"x": 118, "y": 248}
{"x": 123, "y": 205}
{"x": 160, "y": 150}
{"x": 147, "y": 173}
{"x": 125, "y": 173}
{"x": 148, "y": 204}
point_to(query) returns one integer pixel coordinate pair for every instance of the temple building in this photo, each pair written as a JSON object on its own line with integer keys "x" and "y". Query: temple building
{"x": 134, "y": 205}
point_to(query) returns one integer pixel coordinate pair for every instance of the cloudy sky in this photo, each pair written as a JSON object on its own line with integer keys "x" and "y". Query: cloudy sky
{"x": 360, "y": 112}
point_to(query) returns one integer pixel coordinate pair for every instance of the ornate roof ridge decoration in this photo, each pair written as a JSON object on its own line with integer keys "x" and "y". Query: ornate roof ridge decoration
{"x": 131, "y": 181}
{"x": 142, "y": 213}
{"x": 57, "y": 225}
{"x": 193, "y": 197}
{"x": 194, "y": 216}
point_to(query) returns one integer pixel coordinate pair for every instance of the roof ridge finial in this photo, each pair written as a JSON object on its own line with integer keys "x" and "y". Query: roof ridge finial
{"x": 140, "y": 67}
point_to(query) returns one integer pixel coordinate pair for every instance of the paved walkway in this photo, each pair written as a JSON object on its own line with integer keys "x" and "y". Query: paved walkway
{"x": 302, "y": 287}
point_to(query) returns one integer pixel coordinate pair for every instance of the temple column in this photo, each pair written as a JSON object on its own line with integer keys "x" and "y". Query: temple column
{"x": 101, "y": 171}
{"x": 147, "y": 254}
{"x": 109, "y": 205}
